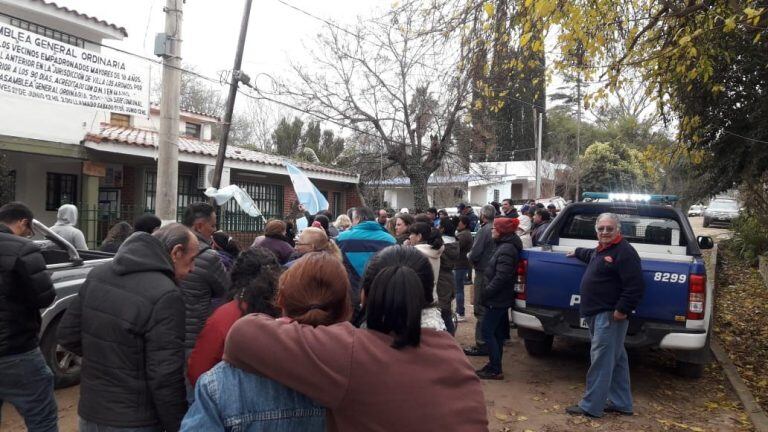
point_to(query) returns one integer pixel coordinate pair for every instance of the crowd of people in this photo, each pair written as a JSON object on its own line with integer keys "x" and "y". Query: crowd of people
{"x": 338, "y": 327}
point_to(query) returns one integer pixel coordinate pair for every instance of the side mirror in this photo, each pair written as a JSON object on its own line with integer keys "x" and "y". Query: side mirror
{"x": 705, "y": 242}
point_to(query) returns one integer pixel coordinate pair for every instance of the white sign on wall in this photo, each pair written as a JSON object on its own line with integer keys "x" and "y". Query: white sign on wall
{"x": 38, "y": 67}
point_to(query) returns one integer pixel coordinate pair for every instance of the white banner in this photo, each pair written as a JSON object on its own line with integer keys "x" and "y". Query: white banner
{"x": 38, "y": 67}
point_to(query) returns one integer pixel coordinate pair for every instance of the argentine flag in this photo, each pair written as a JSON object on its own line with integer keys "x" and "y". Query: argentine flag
{"x": 306, "y": 192}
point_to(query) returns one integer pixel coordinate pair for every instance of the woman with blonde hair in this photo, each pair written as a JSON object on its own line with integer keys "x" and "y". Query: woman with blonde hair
{"x": 342, "y": 223}
{"x": 315, "y": 240}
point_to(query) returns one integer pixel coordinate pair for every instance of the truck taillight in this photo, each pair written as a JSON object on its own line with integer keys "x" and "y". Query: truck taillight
{"x": 697, "y": 297}
{"x": 522, "y": 274}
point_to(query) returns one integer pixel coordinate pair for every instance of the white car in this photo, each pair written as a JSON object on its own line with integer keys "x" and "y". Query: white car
{"x": 696, "y": 210}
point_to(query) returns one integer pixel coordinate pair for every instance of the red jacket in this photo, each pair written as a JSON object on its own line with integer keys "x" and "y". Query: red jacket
{"x": 210, "y": 343}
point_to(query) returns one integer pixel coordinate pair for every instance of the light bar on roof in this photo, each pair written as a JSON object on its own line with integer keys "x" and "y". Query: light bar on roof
{"x": 628, "y": 197}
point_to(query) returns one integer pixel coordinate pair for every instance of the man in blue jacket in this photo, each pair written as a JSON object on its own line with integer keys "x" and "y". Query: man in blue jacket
{"x": 359, "y": 243}
{"x": 611, "y": 289}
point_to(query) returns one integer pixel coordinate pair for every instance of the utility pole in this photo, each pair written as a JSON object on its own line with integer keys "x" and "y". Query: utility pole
{"x": 237, "y": 75}
{"x": 578, "y": 134}
{"x": 168, "y": 148}
{"x": 538, "y": 151}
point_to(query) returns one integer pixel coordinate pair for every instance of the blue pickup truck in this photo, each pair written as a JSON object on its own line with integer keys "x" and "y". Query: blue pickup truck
{"x": 676, "y": 310}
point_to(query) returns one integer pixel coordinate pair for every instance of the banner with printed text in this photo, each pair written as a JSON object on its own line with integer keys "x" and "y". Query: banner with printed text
{"x": 42, "y": 68}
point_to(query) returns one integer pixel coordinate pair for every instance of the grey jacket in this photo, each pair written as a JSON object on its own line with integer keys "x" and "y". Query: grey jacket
{"x": 208, "y": 281}
{"x": 482, "y": 249}
{"x": 66, "y": 219}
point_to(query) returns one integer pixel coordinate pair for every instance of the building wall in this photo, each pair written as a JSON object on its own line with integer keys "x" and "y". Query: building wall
{"x": 31, "y": 180}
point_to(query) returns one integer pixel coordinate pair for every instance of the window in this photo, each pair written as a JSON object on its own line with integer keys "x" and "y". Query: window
{"x": 60, "y": 189}
{"x": 268, "y": 199}
{"x": 496, "y": 195}
{"x": 193, "y": 129}
{"x": 187, "y": 192}
{"x": 122, "y": 120}
{"x": 48, "y": 32}
{"x": 635, "y": 228}
{"x": 337, "y": 208}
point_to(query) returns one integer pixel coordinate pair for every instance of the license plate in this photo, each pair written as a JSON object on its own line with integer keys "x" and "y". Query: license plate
{"x": 583, "y": 323}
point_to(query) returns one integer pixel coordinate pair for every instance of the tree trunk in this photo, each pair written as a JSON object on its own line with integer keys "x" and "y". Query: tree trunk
{"x": 420, "y": 192}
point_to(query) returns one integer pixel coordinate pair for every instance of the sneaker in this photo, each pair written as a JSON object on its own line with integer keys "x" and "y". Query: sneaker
{"x": 576, "y": 410}
{"x": 460, "y": 318}
{"x": 487, "y": 374}
{"x": 476, "y": 351}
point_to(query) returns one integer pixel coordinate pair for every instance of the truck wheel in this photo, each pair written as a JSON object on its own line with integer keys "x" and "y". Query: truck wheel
{"x": 539, "y": 347}
{"x": 64, "y": 364}
{"x": 689, "y": 370}
{"x": 706, "y": 223}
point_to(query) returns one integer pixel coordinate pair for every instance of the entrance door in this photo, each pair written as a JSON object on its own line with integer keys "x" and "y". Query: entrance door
{"x": 109, "y": 212}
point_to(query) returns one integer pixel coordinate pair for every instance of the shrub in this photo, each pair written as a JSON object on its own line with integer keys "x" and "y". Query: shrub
{"x": 750, "y": 238}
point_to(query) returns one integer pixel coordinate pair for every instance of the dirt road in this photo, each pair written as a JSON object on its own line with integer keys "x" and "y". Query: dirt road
{"x": 535, "y": 391}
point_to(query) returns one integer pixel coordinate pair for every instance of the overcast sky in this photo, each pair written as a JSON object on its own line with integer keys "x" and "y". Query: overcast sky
{"x": 277, "y": 33}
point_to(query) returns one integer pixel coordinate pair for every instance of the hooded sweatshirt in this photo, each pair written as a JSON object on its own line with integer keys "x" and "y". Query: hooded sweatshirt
{"x": 434, "y": 260}
{"x": 65, "y": 227}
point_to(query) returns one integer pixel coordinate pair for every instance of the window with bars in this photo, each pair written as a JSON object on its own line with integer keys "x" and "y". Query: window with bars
{"x": 60, "y": 189}
{"x": 496, "y": 194}
{"x": 268, "y": 198}
{"x": 187, "y": 191}
{"x": 337, "y": 208}
{"x": 193, "y": 129}
{"x": 48, "y": 32}
{"x": 122, "y": 120}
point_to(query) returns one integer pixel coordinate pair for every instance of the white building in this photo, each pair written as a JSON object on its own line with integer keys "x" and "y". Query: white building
{"x": 106, "y": 162}
{"x": 485, "y": 182}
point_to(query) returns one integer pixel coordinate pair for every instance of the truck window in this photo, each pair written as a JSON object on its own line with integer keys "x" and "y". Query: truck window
{"x": 636, "y": 229}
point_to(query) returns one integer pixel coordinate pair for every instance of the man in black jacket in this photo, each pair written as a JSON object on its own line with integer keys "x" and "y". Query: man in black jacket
{"x": 25, "y": 288}
{"x": 209, "y": 280}
{"x": 479, "y": 256}
{"x": 499, "y": 293}
{"x": 611, "y": 289}
{"x": 127, "y": 323}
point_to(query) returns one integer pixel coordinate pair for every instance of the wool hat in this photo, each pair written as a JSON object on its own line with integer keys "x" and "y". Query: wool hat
{"x": 506, "y": 226}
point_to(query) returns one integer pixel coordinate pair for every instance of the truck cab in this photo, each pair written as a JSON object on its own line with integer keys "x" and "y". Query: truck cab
{"x": 676, "y": 310}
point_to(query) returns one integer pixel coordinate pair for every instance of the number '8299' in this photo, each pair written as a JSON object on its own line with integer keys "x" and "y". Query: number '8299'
{"x": 670, "y": 277}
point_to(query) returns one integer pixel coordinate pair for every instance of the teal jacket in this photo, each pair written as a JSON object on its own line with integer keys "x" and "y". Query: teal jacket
{"x": 358, "y": 245}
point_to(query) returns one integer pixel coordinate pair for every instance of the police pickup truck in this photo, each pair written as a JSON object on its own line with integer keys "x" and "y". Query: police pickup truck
{"x": 676, "y": 310}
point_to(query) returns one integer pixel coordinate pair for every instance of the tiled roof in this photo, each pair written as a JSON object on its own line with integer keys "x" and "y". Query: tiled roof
{"x": 82, "y": 15}
{"x": 150, "y": 138}
{"x": 437, "y": 180}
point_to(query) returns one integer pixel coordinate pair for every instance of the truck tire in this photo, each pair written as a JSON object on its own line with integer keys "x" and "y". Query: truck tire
{"x": 689, "y": 370}
{"x": 539, "y": 347}
{"x": 64, "y": 364}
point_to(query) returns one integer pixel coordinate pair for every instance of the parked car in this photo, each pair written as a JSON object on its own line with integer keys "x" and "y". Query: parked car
{"x": 696, "y": 210}
{"x": 721, "y": 212}
{"x": 559, "y": 202}
{"x": 68, "y": 268}
{"x": 676, "y": 310}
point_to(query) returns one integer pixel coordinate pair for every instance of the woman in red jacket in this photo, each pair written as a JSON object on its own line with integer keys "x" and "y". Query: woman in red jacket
{"x": 254, "y": 287}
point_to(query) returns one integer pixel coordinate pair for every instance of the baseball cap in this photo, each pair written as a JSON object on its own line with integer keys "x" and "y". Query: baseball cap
{"x": 461, "y": 206}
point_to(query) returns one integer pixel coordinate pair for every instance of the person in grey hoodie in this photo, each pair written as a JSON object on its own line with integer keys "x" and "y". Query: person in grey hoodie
{"x": 65, "y": 227}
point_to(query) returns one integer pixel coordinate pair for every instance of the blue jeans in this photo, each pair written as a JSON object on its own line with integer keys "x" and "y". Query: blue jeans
{"x": 87, "y": 426}
{"x": 227, "y": 398}
{"x": 608, "y": 375}
{"x": 27, "y": 383}
{"x": 495, "y": 328}
{"x": 460, "y": 276}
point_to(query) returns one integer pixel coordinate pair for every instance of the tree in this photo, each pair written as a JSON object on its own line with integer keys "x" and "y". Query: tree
{"x": 6, "y": 181}
{"x": 400, "y": 78}
{"x": 615, "y": 167}
{"x": 287, "y": 137}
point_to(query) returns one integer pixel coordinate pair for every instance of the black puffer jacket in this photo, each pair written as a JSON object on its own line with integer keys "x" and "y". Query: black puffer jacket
{"x": 25, "y": 288}
{"x": 128, "y": 324}
{"x": 209, "y": 280}
{"x": 501, "y": 272}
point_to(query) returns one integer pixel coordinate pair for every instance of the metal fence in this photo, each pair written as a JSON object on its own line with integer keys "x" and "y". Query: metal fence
{"x": 95, "y": 221}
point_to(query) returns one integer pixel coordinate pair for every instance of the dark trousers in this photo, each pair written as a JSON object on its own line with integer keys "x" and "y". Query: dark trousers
{"x": 495, "y": 329}
{"x": 26, "y": 382}
{"x": 479, "y": 309}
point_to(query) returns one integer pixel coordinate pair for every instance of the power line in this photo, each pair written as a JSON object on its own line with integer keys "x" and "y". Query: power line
{"x": 746, "y": 138}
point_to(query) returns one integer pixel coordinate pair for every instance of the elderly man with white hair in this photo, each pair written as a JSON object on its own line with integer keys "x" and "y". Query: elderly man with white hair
{"x": 610, "y": 290}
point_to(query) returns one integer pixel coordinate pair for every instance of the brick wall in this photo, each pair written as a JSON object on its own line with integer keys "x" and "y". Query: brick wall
{"x": 245, "y": 238}
{"x": 130, "y": 185}
{"x": 352, "y": 198}
{"x": 289, "y": 197}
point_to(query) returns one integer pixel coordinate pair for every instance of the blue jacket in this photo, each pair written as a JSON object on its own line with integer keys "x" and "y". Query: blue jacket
{"x": 230, "y": 399}
{"x": 358, "y": 245}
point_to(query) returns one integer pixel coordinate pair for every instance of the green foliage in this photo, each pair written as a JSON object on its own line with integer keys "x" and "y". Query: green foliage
{"x": 312, "y": 144}
{"x": 750, "y": 238}
{"x": 614, "y": 167}
{"x": 287, "y": 136}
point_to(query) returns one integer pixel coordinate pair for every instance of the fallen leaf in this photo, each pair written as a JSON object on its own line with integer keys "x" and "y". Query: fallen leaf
{"x": 501, "y": 416}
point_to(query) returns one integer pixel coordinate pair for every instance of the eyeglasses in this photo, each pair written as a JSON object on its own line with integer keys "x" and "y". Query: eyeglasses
{"x": 608, "y": 229}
